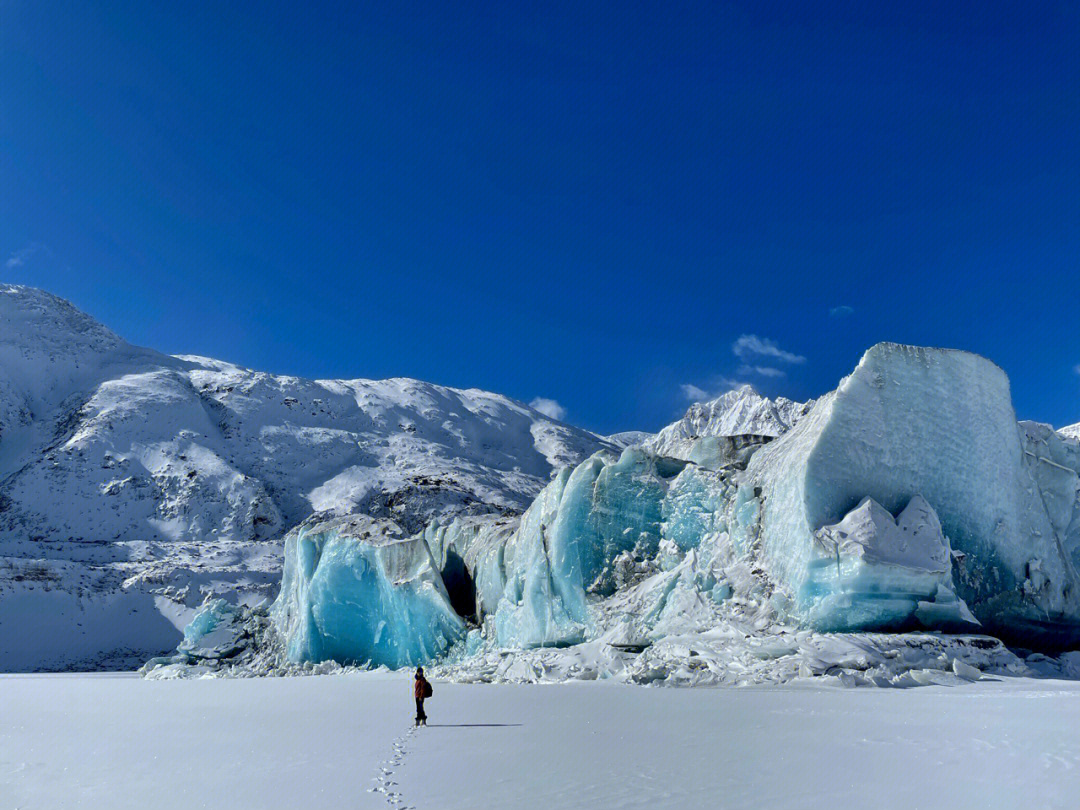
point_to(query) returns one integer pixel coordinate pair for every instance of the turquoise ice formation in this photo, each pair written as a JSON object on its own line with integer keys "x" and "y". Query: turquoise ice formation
{"x": 357, "y": 591}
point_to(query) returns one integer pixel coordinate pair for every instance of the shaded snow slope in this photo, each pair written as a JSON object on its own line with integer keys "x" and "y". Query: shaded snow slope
{"x": 737, "y": 413}
{"x": 128, "y": 473}
{"x": 629, "y": 438}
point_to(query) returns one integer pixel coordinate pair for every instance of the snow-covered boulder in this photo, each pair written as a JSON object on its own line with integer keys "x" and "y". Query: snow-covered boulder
{"x": 357, "y": 590}
{"x": 914, "y": 422}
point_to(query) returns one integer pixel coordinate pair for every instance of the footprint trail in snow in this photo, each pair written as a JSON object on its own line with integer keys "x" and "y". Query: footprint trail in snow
{"x": 385, "y": 782}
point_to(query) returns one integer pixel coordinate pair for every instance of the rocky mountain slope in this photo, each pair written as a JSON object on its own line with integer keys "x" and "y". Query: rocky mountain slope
{"x": 134, "y": 484}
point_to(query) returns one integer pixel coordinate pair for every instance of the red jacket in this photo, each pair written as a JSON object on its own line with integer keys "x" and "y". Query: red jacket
{"x": 418, "y": 688}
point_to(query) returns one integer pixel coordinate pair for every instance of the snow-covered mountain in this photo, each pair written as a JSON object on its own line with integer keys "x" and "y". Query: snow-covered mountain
{"x": 1071, "y": 432}
{"x": 136, "y": 483}
{"x": 742, "y": 411}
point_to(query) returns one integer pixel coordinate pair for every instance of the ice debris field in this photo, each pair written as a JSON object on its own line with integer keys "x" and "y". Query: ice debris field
{"x": 902, "y": 530}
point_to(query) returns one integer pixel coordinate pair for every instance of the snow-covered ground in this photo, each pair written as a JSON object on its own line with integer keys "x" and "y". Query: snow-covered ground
{"x": 93, "y": 741}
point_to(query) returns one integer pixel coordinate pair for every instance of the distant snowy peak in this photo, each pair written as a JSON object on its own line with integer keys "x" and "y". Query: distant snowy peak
{"x": 629, "y": 438}
{"x": 738, "y": 412}
{"x": 1071, "y": 432}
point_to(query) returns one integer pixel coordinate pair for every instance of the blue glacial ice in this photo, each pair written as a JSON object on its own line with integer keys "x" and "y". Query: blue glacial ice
{"x": 357, "y": 591}
{"x": 570, "y": 540}
{"x": 469, "y": 552}
{"x": 874, "y": 570}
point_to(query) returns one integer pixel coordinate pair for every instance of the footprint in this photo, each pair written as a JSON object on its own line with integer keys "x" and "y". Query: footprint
{"x": 385, "y": 782}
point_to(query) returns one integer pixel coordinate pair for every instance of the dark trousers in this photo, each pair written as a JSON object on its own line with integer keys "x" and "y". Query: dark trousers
{"x": 420, "y": 716}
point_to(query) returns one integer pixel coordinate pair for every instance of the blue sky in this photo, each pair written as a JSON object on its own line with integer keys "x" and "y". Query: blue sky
{"x": 615, "y": 207}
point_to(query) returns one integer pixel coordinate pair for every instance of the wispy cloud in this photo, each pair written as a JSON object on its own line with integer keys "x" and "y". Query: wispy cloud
{"x": 764, "y": 371}
{"x": 694, "y": 393}
{"x": 719, "y": 387}
{"x": 760, "y": 357}
{"x": 751, "y": 347}
{"x": 20, "y": 257}
{"x": 549, "y": 407}
{"x": 841, "y": 311}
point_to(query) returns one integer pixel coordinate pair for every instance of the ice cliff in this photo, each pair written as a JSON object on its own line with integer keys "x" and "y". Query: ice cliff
{"x": 938, "y": 425}
{"x": 358, "y": 591}
{"x": 907, "y": 500}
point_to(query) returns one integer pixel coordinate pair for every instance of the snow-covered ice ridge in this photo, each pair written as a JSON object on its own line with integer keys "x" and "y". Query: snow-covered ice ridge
{"x": 134, "y": 485}
{"x": 907, "y": 502}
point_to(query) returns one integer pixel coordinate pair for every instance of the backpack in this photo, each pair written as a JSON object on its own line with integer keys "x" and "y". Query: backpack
{"x": 427, "y": 688}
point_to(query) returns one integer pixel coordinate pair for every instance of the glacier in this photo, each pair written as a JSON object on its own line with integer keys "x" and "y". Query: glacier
{"x": 889, "y": 533}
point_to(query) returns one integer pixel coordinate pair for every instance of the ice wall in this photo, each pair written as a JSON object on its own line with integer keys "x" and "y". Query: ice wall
{"x": 908, "y": 498}
{"x": 914, "y": 422}
{"x": 357, "y": 591}
{"x": 570, "y": 539}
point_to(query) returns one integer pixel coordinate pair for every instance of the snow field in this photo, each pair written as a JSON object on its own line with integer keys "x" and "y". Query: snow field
{"x": 79, "y": 741}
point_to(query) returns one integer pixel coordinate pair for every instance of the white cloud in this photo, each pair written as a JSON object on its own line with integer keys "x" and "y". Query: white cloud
{"x": 762, "y": 371}
{"x": 768, "y": 371}
{"x": 692, "y": 392}
{"x": 749, "y": 347}
{"x": 753, "y": 351}
{"x": 19, "y": 257}
{"x": 549, "y": 408}
{"x": 841, "y": 311}
{"x": 695, "y": 393}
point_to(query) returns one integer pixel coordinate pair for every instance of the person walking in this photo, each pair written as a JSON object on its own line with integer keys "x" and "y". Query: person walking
{"x": 421, "y": 691}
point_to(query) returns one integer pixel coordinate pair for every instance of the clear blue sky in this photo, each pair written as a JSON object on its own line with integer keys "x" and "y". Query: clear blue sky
{"x": 589, "y": 203}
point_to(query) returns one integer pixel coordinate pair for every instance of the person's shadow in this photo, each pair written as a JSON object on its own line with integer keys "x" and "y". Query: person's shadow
{"x": 474, "y": 725}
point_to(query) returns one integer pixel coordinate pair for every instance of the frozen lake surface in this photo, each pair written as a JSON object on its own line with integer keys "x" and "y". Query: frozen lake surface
{"x": 325, "y": 742}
